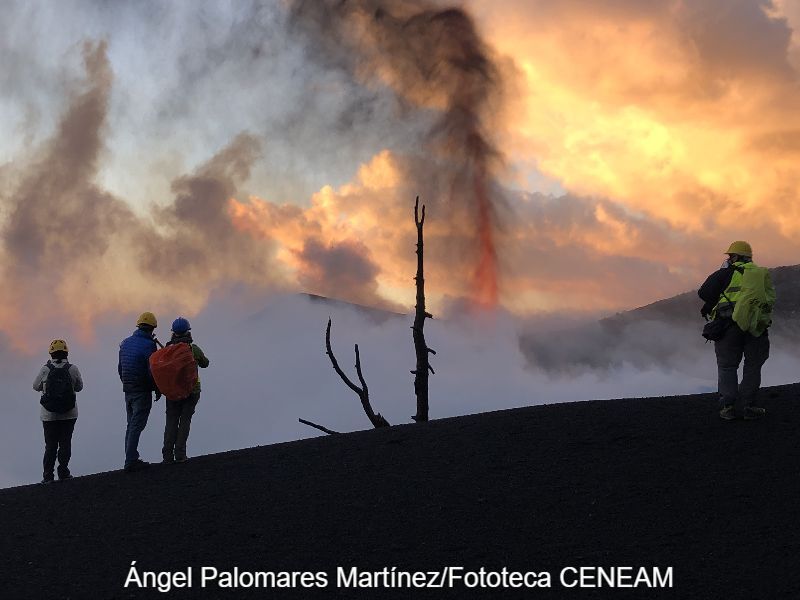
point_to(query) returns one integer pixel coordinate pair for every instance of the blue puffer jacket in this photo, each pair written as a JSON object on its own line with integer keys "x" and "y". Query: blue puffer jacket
{"x": 134, "y": 365}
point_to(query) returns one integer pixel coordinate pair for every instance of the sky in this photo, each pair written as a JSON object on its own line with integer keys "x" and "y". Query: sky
{"x": 207, "y": 157}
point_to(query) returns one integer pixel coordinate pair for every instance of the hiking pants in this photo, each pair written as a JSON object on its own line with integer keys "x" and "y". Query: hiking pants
{"x": 729, "y": 350}
{"x": 176, "y": 431}
{"x": 57, "y": 441}
{"x": 137, "y": 407}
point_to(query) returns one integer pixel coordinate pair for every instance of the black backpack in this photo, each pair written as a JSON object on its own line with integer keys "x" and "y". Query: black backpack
{"x": 59, "y": 395}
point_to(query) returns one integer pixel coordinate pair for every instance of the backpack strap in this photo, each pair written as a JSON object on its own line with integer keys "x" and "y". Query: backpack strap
{"x": 734, "y": 267}
{"x": 714, "y": 311}
{"x": 49, "y": 364}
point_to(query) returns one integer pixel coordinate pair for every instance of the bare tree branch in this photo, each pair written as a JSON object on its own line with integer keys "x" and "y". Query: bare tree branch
{"x": 376, "y": 419}
{"x": 364, "y": 387}
{"x": 320, "y": 427}
{"x": 417, "y": 220}
{"x": 335, "y": 363}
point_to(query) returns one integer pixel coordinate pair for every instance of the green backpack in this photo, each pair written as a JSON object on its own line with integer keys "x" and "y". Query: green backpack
{"x": 753, "y": 309}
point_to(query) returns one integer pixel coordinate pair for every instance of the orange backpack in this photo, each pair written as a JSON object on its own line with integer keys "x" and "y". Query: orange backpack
{"x": 174, "y": 370}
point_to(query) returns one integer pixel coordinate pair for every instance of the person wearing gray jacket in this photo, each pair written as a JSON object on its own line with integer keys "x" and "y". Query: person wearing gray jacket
{"x": 58, "y": 380}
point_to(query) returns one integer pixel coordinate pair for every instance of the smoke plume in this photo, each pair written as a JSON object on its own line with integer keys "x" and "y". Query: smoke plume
{"x": 433, "y": 59}
{"x": 75, "y": 251}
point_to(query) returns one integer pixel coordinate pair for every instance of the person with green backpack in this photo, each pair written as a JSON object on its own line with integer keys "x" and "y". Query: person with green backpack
{"x": 58, "y": 380}
{"x": 738, "y": 298}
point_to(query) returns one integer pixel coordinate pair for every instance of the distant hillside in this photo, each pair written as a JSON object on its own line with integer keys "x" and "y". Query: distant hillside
{"x": 683, "y": 306}
{"x": 676, "y": 309}
{"x": 376, "y": 315}
{"x": 658, "y": 482}
{"x": 370, "y": 313}
{"x": 663, "y": 334}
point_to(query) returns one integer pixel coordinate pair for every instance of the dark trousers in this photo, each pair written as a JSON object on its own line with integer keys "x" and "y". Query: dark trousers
{"x": 137, "y": 409}
{"x": 730, "y": 349}
{"x": 176, "y": 430}
{"x": 57, "y": 441}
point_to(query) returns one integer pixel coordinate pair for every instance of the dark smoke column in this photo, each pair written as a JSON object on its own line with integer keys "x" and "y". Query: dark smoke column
{"x": 432, "y": 59}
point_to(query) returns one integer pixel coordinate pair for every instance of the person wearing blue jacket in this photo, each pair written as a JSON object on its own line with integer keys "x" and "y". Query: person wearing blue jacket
{"x": 137, "y": 385}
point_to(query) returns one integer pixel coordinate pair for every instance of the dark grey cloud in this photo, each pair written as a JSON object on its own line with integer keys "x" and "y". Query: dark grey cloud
{"x": 341, "y": 270}
{"x": 58, "y": 212}
{"x": 201, "y": 243}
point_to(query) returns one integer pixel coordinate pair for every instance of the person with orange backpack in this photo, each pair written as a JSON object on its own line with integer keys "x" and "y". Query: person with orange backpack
{"x": 175, "y": 371}
{"x": 58, "y": 380}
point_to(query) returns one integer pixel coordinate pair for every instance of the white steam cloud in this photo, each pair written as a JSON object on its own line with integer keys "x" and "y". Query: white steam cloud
{"x": 269, "y": 368}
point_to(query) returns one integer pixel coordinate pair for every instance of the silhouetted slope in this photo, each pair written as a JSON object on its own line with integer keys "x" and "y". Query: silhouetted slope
{"x": 645, "y": 482}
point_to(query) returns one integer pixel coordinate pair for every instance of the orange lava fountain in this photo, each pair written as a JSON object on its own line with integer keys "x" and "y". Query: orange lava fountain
{"x": 485, "y": 277}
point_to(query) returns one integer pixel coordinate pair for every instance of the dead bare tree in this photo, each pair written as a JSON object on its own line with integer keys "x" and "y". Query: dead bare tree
{"x": 420, "y": 346}
{"x": 376, "y": 419}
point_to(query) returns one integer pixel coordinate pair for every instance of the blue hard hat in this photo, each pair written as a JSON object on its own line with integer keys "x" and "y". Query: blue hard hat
{"x": 180, "y": 325}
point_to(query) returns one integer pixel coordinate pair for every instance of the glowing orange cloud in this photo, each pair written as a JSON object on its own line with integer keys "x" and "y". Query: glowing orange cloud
{"x": 660, "y": 109}
{"x": 374, "y": 212}
{"x": 366, "y": 212}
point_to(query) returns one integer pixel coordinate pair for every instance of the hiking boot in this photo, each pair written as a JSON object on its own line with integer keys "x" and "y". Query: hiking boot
{"x": 136, "y": 465}
{"x": 181, "y": 459}
{"x": 751, "y": 413}
{"x": 63, "y": 473}
{"x": 727, "y": 413}
{"x": 48, "y": 478}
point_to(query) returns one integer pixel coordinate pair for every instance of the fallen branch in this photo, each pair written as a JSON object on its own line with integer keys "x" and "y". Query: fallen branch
{"x": 320, "y": 427}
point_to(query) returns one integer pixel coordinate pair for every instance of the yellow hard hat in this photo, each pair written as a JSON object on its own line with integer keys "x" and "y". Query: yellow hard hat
{"x": 147, "y": 318}
{"x": 58, "y": 345}
{"x": 740, "y": 248}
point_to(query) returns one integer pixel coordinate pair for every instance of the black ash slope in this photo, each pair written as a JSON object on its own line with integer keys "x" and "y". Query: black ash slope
{"x": 650, "y": 482}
